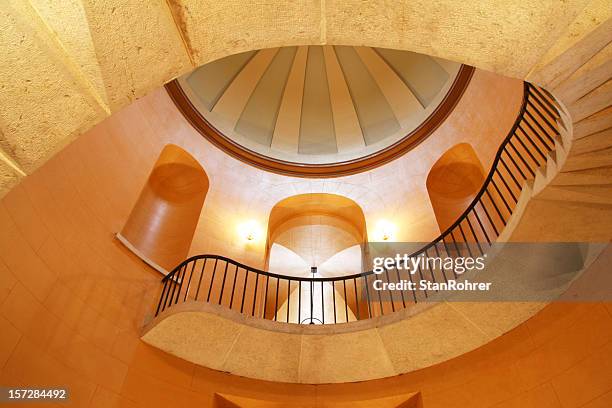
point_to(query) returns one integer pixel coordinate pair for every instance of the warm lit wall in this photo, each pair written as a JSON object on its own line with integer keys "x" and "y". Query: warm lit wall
{"x": 134, "y": 137}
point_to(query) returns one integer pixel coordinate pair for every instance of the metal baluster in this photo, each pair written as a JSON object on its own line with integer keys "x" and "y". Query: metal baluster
{"x": 516, "y": 165}
{"x": 534, "y": 144}
{"x": 223, "y": 283}
{"x": 414, "y": 297}
{"x": 334, "y": 299}
{"x": 365, "y": 278}
{"x": 550, "y": 125}
{"x": 246, "y": 280}
{"x": 545, "y": 100}
{"x": 496, "y": 208}
{"x": 422, "y": 278}
{"x": 311, "y": 300}
{"x": 484, "y": 231}
{"x": 388, "y": 290}
{"x": 288, "y": 298}
{"x": 176, "y": 283}
{"x": 506, "y": 185}
{"x": 467, "y": 217}
{"x": 489, "y": 217}
{"x": 356, "y": 298}
{"x": 550, "y": 113}
{"x": 234, "y": 286}
{"x": 346, "y": 300}
{"x": 200, "y": 280}
{"x": 467, "y": 244}
{"x": 168, "y": 299}
{"x": 322, "y": 305}
{"x": 265, "y": 308}
{"x": 518, "y": 139}
{"x": 399, "y": 279}
{"x": 276, "y": 301}
{"x": 431, "y": 271}
{"x": 212, "y": 280}
{"x": 520, "y": 187}
{"x": 255, "y": 293}
{"x": 441, "y": 264}
{"x": 161, "y": 297}
{"x": 537, "y": 134}
{"x": 520, "y": 156}
{"x": 189, "y": 281}
{"x": 500, "y": 196}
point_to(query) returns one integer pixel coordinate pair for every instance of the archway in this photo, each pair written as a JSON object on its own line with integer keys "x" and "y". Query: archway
{"x": 325, "y": 231}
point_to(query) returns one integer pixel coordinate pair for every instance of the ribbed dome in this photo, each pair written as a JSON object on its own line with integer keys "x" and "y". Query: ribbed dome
{"x": 319, "y": 104}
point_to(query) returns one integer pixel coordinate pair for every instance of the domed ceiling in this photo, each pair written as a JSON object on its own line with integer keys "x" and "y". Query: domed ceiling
{"x": 319, "y": 104}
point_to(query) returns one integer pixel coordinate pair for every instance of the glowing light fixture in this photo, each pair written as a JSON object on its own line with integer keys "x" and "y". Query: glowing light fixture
{"x": 250, "y": 231}
{"x": 385, "y": 231}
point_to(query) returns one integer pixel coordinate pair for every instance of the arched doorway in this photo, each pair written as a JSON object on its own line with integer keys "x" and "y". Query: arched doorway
{"x": 322, "y": 231}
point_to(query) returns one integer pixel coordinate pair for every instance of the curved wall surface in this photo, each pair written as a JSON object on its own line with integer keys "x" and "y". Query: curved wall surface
{"x": 72, "y": 299}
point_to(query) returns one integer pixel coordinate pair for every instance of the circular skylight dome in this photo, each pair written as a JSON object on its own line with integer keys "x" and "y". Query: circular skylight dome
{"x": 319, "y": 105}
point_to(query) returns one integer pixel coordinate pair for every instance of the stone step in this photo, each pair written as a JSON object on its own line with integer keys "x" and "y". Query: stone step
{"x": 596, "y": 194}
{"x": 592, "y": 143}
{"x": 597, "y": 122}
{"x": 600, "y": 176}
{"x": 593, "y": 102}
{"x": 591, "y": 160}
{"x": 591, "y": 75}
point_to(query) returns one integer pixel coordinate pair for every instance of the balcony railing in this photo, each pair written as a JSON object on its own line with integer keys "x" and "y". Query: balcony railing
{"x": 223, "y": 281}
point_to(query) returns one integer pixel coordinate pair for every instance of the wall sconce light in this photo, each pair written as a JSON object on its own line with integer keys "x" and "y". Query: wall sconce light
{"x": 385, "y": 231}
{"x": 250, "y": 231}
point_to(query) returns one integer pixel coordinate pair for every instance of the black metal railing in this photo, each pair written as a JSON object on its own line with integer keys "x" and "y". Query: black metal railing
{"x": 223, "y": 281}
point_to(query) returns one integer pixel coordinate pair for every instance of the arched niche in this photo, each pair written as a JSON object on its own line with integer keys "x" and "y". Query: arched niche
{"x": 162, "y": 223}
{"x": 453, "y": 182}
{"x": 323, "y": 230}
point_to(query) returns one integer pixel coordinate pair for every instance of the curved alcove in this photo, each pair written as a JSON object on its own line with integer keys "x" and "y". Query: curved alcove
{"x": 161, "y": 225}
{"x": 453, "y": 182}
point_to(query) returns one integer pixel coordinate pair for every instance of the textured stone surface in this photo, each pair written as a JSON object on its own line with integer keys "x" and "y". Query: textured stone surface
{"x": 505, "y": 37}
{"x": 213, "y": 29}
{"x": 595, "y": 13}
{"x": 46, "y": 103}
{"x": 419, "y": 342}
{"x": 138, "y": 47}
{"x": 265, "y": 355}
{"x": 9, "y": 177}
{"x": 205, "y": 339}
{"x": 344, "y": 357}
{"x": 74, "y": 37}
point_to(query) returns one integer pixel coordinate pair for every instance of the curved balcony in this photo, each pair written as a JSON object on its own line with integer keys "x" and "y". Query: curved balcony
{"x": 527, "y": 149}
